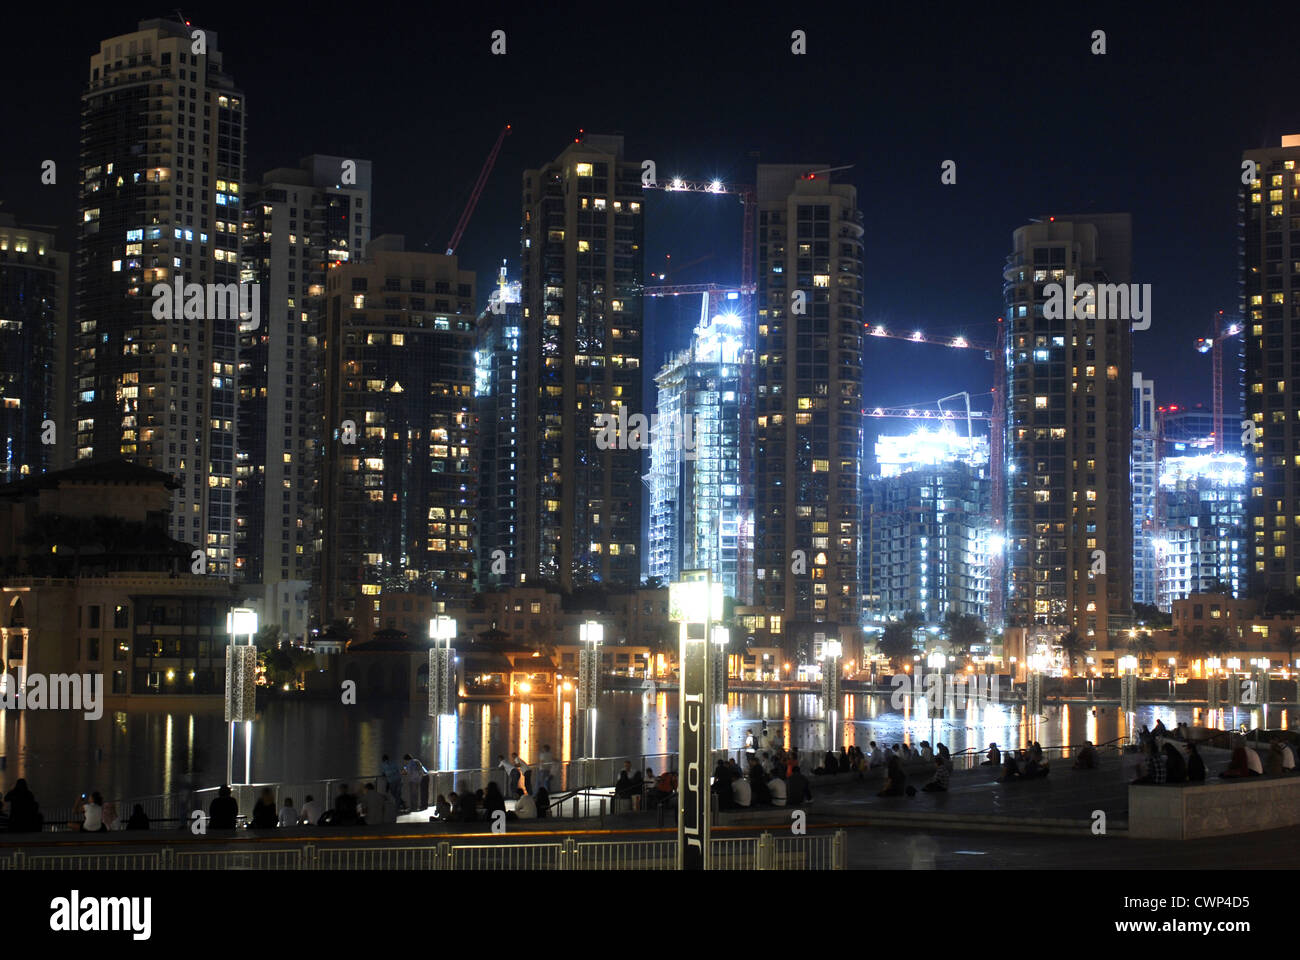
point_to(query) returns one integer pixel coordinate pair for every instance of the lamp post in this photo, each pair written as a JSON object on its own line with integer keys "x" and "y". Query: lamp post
{"x": 832, "y": 651}
{"x": 1034, "y": 685}
{"x": 241, "y": 671}
{"x": 1212, "y": 695}
{"x": 591, "y": 633}
{"x": 937, "y": 661}
{"x": 1128, "y": 684}
{"x": 442, "y": 680}
{"x": 721, "y": 637}
{"x": 694, "y": 603}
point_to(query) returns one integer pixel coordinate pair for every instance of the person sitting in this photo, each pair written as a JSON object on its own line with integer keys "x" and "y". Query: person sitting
{"x": 265, "y": 816}
{"x": 895, "y": 778}
{"x": 1175, "y": 764}
{"x": 493, "y": 800}
{"x": 543, "y": 802}
{"x": 469, "y": 805}
{"x": 223, "y": 811}
{"x": 926, "y": 753}
{"x": 1009, "y": 769}
{"x": 776, "y": 791}
{"x": 1253, "y": 761}
{"x": 722, "y": 787}
{"x": 1160, "y": 729}
{"x": 442, "y": 808}
{"x": 758, "y": 786}
{"x": 877, "y": 758}
{"x": 844, "y": 758}
{"x": 526, "y": 807}
{"x": 1157, "y": 768}
{"x": 742, "y": 795}
{"x": 994, "y": 756}
{"x": 139, "y": 820}
{"x": 940, "y": 782}
{"x": 623, "y": 788}
{"x": 1087, "y": 757}
{"x": 1238, "y": 766}
{"x": 945, "y": 756}
{"x": 797, "y": 790}
{"x": 665, "y": 787}
{"x": 1195, "y": 765}
{"x": 1288, "y": 757}
{"x": 831, "y": 763}
{"x": 345, "y": 808}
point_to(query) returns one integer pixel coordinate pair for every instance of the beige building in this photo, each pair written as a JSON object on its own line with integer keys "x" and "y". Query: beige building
{"x": 808, "y": 404}
{"x": 161, "y": 172}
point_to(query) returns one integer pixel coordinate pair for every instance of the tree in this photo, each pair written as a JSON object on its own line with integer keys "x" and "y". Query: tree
{"x": 1217, "y": 641}
{"x": 1143, "y": 645}
{"x": 1152, "y": 616}
{"x": 964, "y": 631}
{"x": 897, "y": 642}
{"x": 1194, "y": 647}
{"x": 1073, "y": 646}
{"x": 1287, "y": 640}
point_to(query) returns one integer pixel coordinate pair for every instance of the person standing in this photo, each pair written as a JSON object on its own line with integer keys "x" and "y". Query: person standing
{"x": 392, "y": 775}
{"x": 413, "y": 772}
{"x": 545, "y": 768}
{"x": 264, "y": 815}
{"x": 750, "y": 747}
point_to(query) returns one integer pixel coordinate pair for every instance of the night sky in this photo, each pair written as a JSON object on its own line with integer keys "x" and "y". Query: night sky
{"x": 1036, "y": 123}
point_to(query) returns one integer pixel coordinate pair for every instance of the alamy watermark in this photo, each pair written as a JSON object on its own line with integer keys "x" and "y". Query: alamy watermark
{"x": 618, "y": 431}
{"x": 55, "y": 691}
{"x": 956, "y": 690}
{"x": 209, "y": 301}
{"x": 1112, "y": 301}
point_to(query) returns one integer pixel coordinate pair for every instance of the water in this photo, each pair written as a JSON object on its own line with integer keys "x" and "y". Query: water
{"x": 142, "y": 751}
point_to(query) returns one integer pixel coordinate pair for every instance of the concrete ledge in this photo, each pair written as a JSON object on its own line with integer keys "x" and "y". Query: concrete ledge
{"x": 1215, "y": 809}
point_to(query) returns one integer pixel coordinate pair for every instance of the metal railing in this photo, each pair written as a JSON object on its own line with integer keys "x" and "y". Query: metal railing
{"x": 761, "y": 852}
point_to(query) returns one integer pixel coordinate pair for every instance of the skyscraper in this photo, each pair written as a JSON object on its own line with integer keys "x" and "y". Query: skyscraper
{"x": 400, "y": 497}
{"x": 583, "y": 260}
{"x": 1069, "y": 429}
{"x": 33, "y": 351}
{"x": 808, "y": 401}
{"x": 1201, "y": 544}
{"x": 700, "y": 480}
{"x": 162, "y": 162}
{"x": 297, "y": 223}
{"x": 1270, "y": 290}
{"x": 930, "y": 513}
{"x": 498, "y": 377}
{"x": 1145, "y": 463}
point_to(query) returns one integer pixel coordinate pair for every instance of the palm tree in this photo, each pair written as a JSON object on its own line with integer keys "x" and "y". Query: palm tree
{"x": 897, "y": 642}
{"x": 1287, "y": 640}
{"x": 1194, "y": 647}
{"x": 964, "y": 631}
{"x": 1143, "y": 645}
{"x": 1073, "y": 646}
{"x": 1217, "y": 641}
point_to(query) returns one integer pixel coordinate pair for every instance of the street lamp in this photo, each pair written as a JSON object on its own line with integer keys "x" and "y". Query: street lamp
{"x": 832, "y": 651}
{"x": 241, "y": 671}
{"x": 721, "y": 637}
{"x": 442, "y": 681}
{"x": 591, "y": 633}
{"x": 1128, "y": 684}
{"x": 694, "y": 603}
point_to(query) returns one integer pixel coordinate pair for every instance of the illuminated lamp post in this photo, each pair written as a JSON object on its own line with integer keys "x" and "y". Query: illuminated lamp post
{"x": 832, "y": 651}
{"x": 591, "y": 633}
{"x": 695, "y": 603}
{"x": 442, "y": 681}
{"x": 1128, "y": 685}
{"x": 241, "y": 671}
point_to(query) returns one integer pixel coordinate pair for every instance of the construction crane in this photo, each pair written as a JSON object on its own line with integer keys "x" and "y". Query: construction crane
{"x": 1220, "y": 329}
{"x": 456, "y": 234}
{"x": 996, "y": 352}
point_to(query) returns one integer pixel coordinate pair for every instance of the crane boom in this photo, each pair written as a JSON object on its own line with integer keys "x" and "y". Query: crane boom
{"x": 454, "y": 242}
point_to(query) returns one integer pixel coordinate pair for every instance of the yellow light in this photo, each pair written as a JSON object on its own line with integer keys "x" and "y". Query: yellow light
{"x": 171, "y": 675}
{"x": 525, "y": 687}
{"x": 567, "y": 686}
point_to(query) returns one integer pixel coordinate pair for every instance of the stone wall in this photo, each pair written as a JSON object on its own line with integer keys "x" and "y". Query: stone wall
{"x": 1213, "y": 809}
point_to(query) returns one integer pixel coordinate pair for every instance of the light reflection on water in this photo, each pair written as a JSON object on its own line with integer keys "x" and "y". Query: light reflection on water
{"x": 140, "y": 752}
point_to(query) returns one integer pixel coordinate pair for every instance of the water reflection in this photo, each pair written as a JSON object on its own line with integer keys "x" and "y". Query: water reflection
{"x": 139, "y": 752}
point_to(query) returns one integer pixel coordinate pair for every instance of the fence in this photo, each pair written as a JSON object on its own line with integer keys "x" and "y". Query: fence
{"x": 762, "y": 852}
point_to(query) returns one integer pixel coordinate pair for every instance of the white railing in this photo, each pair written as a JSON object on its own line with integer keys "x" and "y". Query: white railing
{"x": 762, "y": 852}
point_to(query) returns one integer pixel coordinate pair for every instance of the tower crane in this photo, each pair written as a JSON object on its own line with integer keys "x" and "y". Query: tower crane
{"x": 456, "y": 234}
{"x": 1220, "y": 329}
